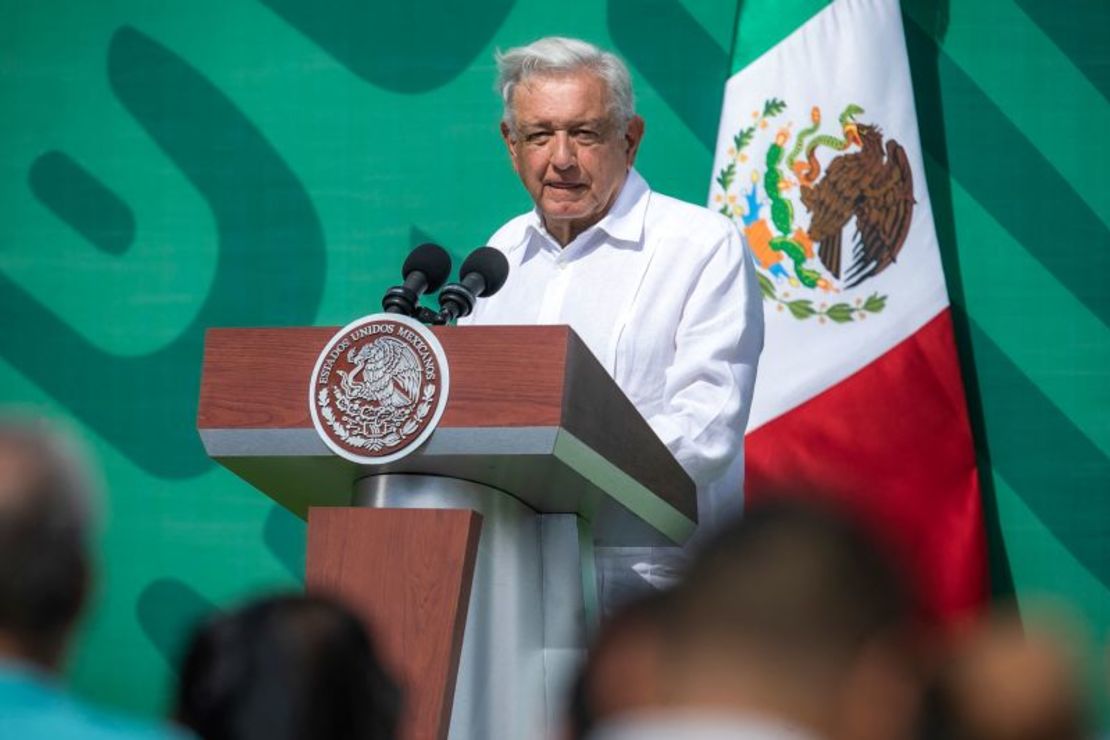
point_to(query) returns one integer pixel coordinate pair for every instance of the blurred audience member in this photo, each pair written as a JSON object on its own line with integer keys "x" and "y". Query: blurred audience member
{"x": 788, "y": 625}
{"x": 1009, "y": 682}
{"x": 624, "y": 669}
{"x": 46, "y": 508}
{"x": 286, "y": 668}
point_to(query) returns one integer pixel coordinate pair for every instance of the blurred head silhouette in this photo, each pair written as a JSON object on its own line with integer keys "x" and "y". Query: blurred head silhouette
{"x": 624, "y": 670}
{"x": 286, "y": 668}
{"x": 1005, "y": 680}
{"x": 46, "y": 501}
{"x": 792, "y": 615}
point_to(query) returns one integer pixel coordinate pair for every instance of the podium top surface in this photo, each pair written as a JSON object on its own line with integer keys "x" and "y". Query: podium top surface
{"x": 530, "y": 411}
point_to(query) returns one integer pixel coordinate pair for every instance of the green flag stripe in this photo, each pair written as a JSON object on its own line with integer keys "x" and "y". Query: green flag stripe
{"x": 761, "y": 25}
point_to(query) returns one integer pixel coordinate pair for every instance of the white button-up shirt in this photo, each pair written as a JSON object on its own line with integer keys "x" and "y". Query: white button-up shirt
{"x": 665, "y": 295}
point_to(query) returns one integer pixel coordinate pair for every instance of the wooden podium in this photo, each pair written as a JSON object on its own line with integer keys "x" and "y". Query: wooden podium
{"x": 472, "y": 558}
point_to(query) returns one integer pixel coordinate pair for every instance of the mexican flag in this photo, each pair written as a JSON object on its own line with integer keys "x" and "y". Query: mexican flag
{"x": 859, "y": 395}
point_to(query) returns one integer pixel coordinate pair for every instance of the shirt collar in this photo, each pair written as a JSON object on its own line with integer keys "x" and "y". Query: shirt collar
{"x": 623, "y": 223}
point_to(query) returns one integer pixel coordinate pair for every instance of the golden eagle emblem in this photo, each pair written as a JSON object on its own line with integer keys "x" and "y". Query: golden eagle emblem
{"x": 874, "y": 186}
{"x": 385, "y": 372}
{"x": 378, "y": 388}
{"x": 853, "y": 185}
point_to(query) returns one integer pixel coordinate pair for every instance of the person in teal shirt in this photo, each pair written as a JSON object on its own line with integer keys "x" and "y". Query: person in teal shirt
{"x": 34, "y": 705}
{"x": 46, "y": 506}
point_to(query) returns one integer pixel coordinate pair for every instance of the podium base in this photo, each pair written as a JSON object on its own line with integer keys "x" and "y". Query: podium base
{"x": 533, "y": 605}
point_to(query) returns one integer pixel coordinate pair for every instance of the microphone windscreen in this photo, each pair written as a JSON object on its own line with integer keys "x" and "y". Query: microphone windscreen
{"x": 433, "y": 261}
{"x": 491, "y": 265}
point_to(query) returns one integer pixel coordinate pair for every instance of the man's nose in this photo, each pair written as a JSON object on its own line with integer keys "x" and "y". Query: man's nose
{"x": 562, "y": 151}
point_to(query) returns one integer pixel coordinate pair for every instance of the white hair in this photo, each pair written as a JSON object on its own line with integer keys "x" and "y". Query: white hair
{"x": 556, "y": 55}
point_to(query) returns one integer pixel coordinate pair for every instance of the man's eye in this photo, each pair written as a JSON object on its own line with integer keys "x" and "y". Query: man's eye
{"x": 537, "y": 137}
{"x": 586, "y": 136}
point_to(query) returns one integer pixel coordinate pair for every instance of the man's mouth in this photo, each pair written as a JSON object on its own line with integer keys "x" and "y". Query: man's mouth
{"x": 565, "y": 185}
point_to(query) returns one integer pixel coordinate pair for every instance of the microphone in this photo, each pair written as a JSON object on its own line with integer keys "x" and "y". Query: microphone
{"x": 425, "y": 269}
{"x": 482, "y": 274}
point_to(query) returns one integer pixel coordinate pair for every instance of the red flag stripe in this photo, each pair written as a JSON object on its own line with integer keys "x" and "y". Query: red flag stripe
{"x": 892, "y": 443}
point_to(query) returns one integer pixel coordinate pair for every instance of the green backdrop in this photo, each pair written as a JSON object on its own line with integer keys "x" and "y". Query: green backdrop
{"x": 166, "y": 167}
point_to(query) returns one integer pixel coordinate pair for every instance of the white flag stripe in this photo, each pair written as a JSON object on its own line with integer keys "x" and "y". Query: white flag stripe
{"x": 852, "y": 52}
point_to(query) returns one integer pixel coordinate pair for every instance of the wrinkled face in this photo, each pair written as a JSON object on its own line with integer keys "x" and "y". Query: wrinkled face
{"x": 570, "y": 155}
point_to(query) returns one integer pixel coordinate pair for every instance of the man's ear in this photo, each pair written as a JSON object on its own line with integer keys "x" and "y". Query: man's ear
{"x": 510, "y": 144}
{"x": 633, "y": 135}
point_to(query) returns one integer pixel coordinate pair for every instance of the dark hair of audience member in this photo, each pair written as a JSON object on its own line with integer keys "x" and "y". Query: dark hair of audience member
{"x": 794, "y": 610}
{"x": 45, "y": 507}
{"x": 286, "y": 668}
{"x": 799, "y": 578}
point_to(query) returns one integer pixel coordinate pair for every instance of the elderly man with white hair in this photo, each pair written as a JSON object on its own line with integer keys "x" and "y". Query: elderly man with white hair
{"x": 663, "y": 292}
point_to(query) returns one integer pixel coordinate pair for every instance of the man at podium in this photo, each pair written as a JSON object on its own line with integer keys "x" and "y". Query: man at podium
{"x": 663, "y": 292}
